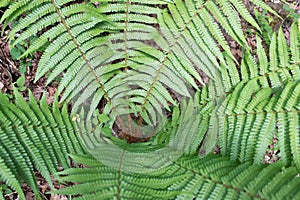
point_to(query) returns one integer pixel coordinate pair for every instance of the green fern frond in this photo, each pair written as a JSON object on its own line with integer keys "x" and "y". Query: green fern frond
{"x": 294, "y": 43}
{"x": 252, "y": 115}
{"x": 189, "y": 177}
{"x": 188, "y": 40}
{"x": 34, "y": 137}
{"x": 10, "y": 179}
{"x": 142, "y": 59}
{"x": 74, "y": 31}
{"x": 273, "y": 70}
{"x": 169, "y": 142}
{"x": 132, "y": 41}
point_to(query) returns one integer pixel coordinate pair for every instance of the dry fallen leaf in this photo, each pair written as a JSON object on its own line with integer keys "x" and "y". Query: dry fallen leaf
{"x": 58, "y": 197}
{"x": 1, "y": 85}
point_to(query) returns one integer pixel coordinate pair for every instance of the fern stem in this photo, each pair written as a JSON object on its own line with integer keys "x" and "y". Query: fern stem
{"x": 262, "y": 112}
{"x": 126, "y": 60}
{"x": 167, "y": 55}
{"x": 63, "y": 21}
{"x": 119, "y": 175}
{"x": 211, "y": 179}
{"x": 162, "y": 64}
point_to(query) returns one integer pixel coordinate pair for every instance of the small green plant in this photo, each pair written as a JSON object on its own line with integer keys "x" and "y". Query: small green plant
{"x": 292, "y": 13}
{"x": 5, "y": 190}
{"x": 21, "y": 83}
{"x": 264, "y": 22}
{"x": 17, "y": 51}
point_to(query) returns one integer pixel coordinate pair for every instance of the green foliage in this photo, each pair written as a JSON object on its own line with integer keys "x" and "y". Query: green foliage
{"x": 252, "y": 115}
{"x": 15, "y": 53}
{"x": 17, "y": 50}
{"x": 4, "y": 3}
{"x": 146, "y": 60}
{"x": 264, "y": 22}
{"x": 34, "y": 137}
{"x": 189, "y": 177}
{"x": 291, "y": 12}
{"x": 187, "y": 41}
{"x": 263, "y": 102}
{"x": 169, "y": 143}
{"x": 21, "y": 83}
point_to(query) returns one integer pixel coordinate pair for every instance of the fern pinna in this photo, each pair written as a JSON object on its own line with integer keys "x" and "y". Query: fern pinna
{"x": 34, "y": 137}
{"x": 189, "y": 177}
{"x": 160, "y": 71}
{"x": 168, "y": 58}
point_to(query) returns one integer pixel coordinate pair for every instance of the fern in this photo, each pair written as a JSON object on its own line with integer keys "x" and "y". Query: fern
{"x": 249, "y": 117}
{"x": 73, "y": 31}
{"x": 34, "y": 137}
{"x": 143, "y": 60}
{"x": 189, "y": 177}
{"x": 170, "y": 142}
{"x": 282, "y": 66}
{"x": 260, "y": 100}
{"x": 185, "y": 42}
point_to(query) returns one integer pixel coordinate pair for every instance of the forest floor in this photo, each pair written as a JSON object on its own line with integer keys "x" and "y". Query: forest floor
{"x": 12, "y": 69}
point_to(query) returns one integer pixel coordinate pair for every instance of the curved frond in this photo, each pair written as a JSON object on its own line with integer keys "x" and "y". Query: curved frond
{"x": 252, "y": 115}
{"x": 141, "y": 61}
{"x": 186, "y": 42}
{"x": 150, "y": 48}
{"x": 34, "y": 137}
{"x": 74, "y": 31}
{"x": 273, "y": 70}
{"x": 169, "y": 142}
{"x": 189, "y": 177}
